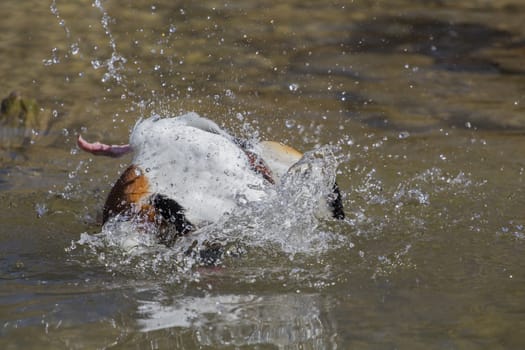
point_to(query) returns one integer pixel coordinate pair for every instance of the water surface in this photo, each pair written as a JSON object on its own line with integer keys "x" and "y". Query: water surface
{"x": 423, "y": 102}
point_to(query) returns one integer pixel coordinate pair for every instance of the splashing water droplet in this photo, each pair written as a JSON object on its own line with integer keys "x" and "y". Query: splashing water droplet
{"x": 41, "y": 209}
{"x": 228, "y": 93}
{"x": 403, "y": 135}
{"x": 75, "y": 49}
{"x": 115, "y": 65}
{"x": 290, "y": 123}
{"x": 54, "y": 58}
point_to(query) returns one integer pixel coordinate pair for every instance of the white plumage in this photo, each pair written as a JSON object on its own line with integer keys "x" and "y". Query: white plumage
{"x": 191, "y": 160}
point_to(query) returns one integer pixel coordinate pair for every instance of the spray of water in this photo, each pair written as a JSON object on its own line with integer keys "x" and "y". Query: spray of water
{"x": 73, "y": 46}
{"x": 289, "y": 220}
{"x": 290, "y": 217}
{"x": 115, "y": 65}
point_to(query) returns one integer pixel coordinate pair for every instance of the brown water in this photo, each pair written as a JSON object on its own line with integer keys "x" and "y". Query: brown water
{"x": 426, "y": 97}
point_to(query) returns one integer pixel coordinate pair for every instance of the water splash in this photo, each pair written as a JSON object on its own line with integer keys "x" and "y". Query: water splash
{"x": 61, "y": 21}
{"x": 73, "y": 46}
{"x": 290, "y": 217}
{"x": 290, "y": 220}
{"x": 115, "y": 65}
{"x": 515, "y": 230}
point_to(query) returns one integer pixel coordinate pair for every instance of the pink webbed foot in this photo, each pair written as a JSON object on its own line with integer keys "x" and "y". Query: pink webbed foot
{"x": 101, "y": 149}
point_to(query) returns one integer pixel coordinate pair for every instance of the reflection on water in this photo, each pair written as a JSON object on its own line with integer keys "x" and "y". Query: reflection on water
{"x": 290, "y": 321}
{"x": 423, "y": 102}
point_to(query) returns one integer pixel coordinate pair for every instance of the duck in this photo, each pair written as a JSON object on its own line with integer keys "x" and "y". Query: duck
{"x": 187, "y": 172}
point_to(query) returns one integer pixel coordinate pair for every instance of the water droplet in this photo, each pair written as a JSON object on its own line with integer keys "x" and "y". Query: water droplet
{"x": 293, "y": 87}
{"x": 290, "y": 123}
{"x": 75, "y": 49}
{"x": 96, "y": 64}
{"x": 41, "y": 209}
{"x": 229, "y": 93}
{"x": 403, "y": 135}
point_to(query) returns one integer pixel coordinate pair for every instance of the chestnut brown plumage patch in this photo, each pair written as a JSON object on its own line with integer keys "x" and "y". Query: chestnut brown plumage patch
{"x": 128, "y": 190}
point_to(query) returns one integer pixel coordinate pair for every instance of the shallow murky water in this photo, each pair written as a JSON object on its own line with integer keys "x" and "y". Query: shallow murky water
{"x": 422, "y": 103}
